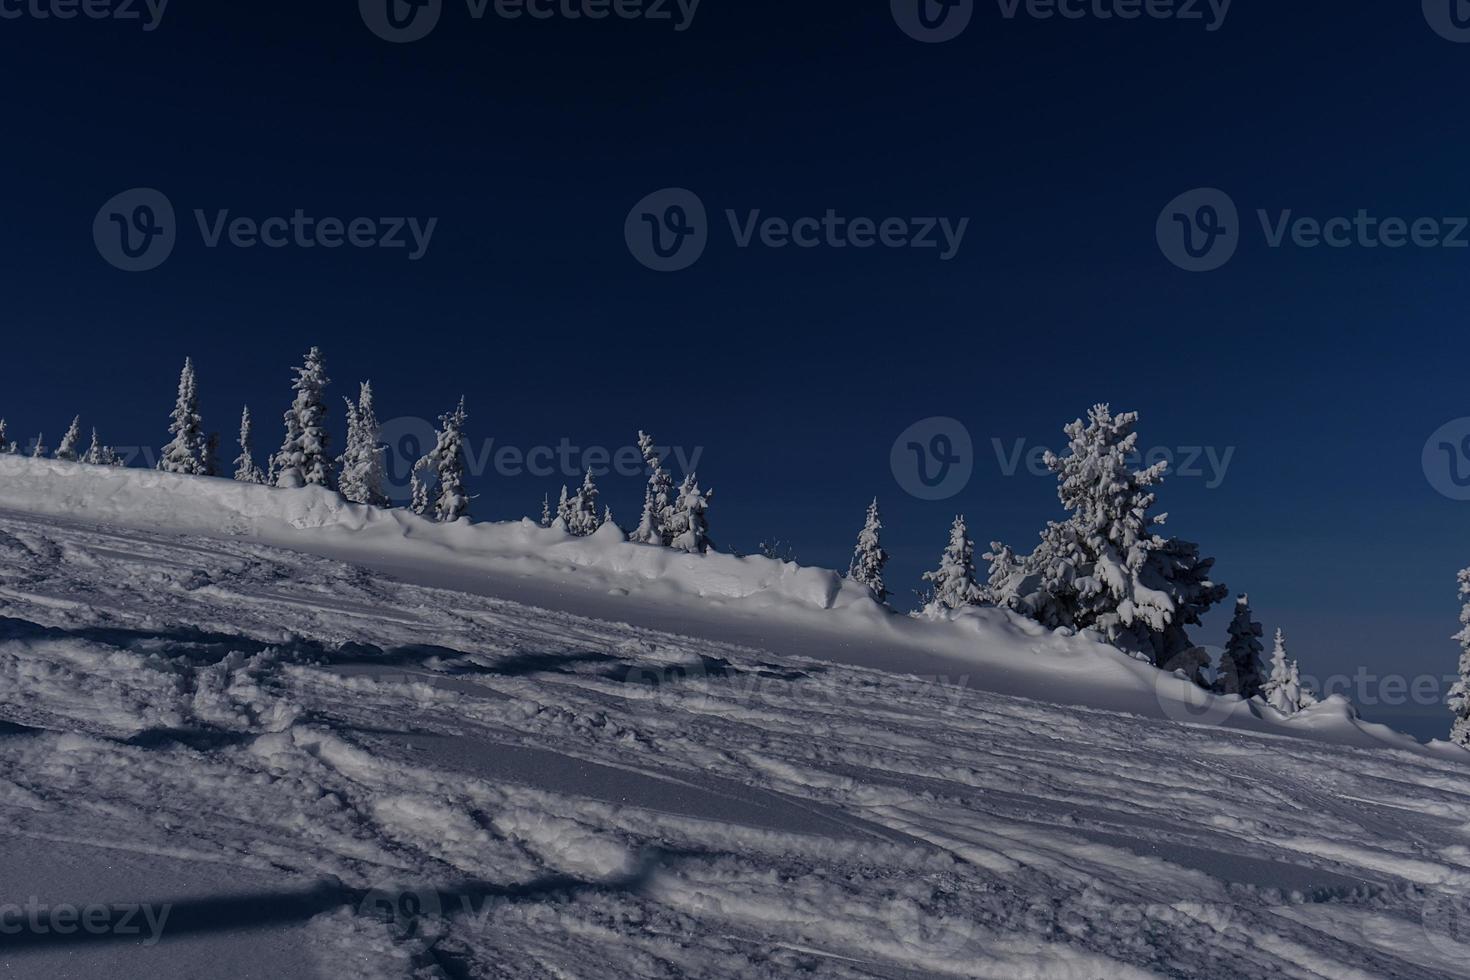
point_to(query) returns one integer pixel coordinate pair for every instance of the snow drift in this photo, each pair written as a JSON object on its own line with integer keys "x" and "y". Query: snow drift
{"x": 771, "y": 604}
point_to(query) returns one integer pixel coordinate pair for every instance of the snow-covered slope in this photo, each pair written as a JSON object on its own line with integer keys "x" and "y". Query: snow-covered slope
{"x": 217, "y": 704}
{"x": 778, "y": 606}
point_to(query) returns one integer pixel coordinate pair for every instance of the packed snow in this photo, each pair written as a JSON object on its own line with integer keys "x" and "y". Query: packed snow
{"x": 268, "y": 732}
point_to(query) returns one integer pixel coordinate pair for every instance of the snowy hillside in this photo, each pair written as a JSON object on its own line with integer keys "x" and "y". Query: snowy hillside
{"x": 297, "y": 737}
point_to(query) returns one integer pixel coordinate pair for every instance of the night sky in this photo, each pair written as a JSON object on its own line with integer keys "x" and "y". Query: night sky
{"x": 1322, "y": 371}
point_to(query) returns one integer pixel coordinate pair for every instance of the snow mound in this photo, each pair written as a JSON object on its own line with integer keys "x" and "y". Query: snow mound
{"x": 299, "y": 518}
{"x": 767, "y": 604}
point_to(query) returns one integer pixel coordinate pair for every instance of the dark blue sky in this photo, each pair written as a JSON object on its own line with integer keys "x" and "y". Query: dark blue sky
{"x": 1326, "y": 369}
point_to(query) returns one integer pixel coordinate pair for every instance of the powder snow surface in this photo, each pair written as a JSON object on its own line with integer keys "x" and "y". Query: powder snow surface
{"x": 339, "y": 742}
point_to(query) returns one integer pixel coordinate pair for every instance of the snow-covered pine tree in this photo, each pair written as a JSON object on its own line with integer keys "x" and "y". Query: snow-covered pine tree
{"x": 1105, "y": 567}
{"x": 1006, "y": 573}
{"x": 361, "y": 465}
{"x": 1283, "y": 689}
{"x": 675, "y": 521}
{"x": 1459, "y": 699}
{"x": 869, "y": 557}
{"x": 652, "y": 526}
{"x": 584, "y": 519}
{"x": 1240, "y": 671}
{"x": 71, "y": 443}
{"x": 419, "y": 489}
{"x": 185, "y": 452}
{"x": 693, "y": 518}
{"x": 98, "y": 454}
{"x": 953, "y": 583}
{"x": 453, "y": 502}
{"x": 39, "y": 450}
{"x": 303, "y": 459}
{"x": 607, "y": 518}
{"x": 6, "y": 446}
{"x": 564, "y": 509}
{"x": 546, "y": 517}
{"x": 245, "y": 469}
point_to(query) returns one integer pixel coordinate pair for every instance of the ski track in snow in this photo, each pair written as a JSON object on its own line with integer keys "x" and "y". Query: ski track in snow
{"x": 441, "y": 784}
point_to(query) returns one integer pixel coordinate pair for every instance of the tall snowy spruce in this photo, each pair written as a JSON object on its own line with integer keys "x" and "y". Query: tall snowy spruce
{"x": 692, "y": 518}
{"x": 439, "y": 476}
{"x": 185, "y": 452}
{"x": 303, "y": 459}
{"x": 38, "y": 448}
{"x": 653, "y": 524}
{"x": 953, "y": 584}
{"x": 6, "y": 446}
{"x": 546, "y": 509}
{"x": 362, "y": 471}
{"x": 1283, "y": 689}
{"x": 98, "y": 454}
{"x": 246, "y": 470}
{"x": 1459, "y": 699}
{"x": 71, "y": 443}
{"x": 1105, "y": 567}
{"x": 869, "y": 557}
{"x": 584, "y": 517}
{"x": 1241, "y": 671}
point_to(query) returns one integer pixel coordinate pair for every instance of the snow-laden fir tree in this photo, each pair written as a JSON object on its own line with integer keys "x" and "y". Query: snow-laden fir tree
{"x": 1006, "y": 572}
{"x": 39, "y": 450}
{"x": 584, "y": 517}
{"x": 439, "y": 476}
{"x": 607, "y": 517}
{"x": 362, "y": 471}
{"x": 564, "y": 510}
{"x": 546, "y": 517}
{"x": 1105, "y": 567}
{"x": 657, "y": 506}
{"x": 303, "y": 459}
{"x": 1283, "y": 689}
{"x": 6, "y": 446}
{"x": 869, "y": 557}
{"x": 71, "y": 443}
{"x": 1240, "y": 671}
{"x": 418, "y": 489}
{"x": 185, "y": 452}
{"x": 98, "y": 454}
{"x": 692, "y": 518}
{"x": 246, "y": 471}
{"x": 1459, "y": 699}
{"x": 953, "y": 584}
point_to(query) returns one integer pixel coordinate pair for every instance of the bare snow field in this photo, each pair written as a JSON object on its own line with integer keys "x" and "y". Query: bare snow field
{"x": 253, "y": 733}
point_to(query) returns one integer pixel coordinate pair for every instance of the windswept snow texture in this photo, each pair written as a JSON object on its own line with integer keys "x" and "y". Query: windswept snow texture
{"x": 317, "y": 769}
